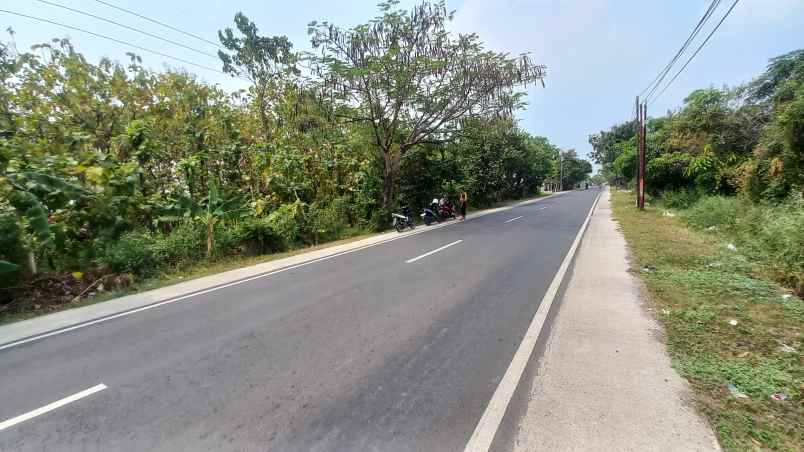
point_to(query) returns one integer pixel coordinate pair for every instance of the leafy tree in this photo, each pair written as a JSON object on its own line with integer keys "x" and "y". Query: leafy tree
{"x": 268, "y": 62}
{"x": 413, "y": 81}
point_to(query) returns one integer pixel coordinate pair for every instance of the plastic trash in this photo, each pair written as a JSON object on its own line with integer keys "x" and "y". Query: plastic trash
{"x": 736, "y": 392}
{"x": 733, "y": 322}
{"x": 648, "y": 269}
{"x": 712, "y": 228}
{"x": 666, "y": 311}
{"x": 667, "y": 213}
{"x": 780, "y": 396}
{"x": 787, "y": 296}
{"x": 786, "y": 348}
{"x": 731, "y": 247}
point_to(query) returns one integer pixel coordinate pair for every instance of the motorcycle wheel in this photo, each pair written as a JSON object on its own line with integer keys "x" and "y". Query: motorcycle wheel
{"x": 428, "y": 221}
{"x": 412, "y": 226}
{"x": 399, "y": 226}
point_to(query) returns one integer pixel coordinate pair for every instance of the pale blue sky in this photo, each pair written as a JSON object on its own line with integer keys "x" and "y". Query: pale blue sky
{"x": 599, "y": 53}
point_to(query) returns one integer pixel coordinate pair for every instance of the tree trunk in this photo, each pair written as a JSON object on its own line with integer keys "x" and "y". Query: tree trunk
{"x": 392, "y": 161}
{"x": 30, "y": 262}
{"x": 210, "y": 243}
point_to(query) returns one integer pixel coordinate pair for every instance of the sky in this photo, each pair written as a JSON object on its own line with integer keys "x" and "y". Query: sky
{"x": 599, "y": 53}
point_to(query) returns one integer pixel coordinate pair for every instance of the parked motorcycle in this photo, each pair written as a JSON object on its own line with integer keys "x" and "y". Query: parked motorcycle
{"x": 403, "y": 220}
{"x": 430, "y": 214}
{"x": 446, "y": 210}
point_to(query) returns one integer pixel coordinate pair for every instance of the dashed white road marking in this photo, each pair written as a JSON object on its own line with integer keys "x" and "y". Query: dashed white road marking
{"x": 51, "y": 406}
{"x": 514, "y": 219}
{"x": 410, "y": 261}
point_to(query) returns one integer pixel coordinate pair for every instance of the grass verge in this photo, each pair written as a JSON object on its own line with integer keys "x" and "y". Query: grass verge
{"x": 733, "y": 334}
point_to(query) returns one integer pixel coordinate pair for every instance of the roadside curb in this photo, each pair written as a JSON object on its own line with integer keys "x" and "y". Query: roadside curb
{"x": 27, "y": 331}
{"x": 488, "y": 426}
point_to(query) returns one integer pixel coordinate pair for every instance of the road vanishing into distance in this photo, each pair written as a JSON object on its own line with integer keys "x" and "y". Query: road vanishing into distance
{"x": 398, "y": 346}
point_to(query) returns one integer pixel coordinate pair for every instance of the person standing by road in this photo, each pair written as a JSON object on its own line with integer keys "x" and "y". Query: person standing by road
{"x": 462, "y": 200}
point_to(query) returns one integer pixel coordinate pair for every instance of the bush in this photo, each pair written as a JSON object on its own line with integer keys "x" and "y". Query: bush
{"x": 186, "y": 242}
{"x": 775, "y": 235}
{"x": 131, "y": 253}
{"x": 679, "y": 199}
{"x": 286, "y": 222}
{"x": 258, "y": 237}
{"x": 324, "y": 222}
{"x": 718, "y": 211}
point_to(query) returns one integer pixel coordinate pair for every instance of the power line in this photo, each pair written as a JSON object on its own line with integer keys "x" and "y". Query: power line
{"x": 114, "y": 40}
{"x": 128, "y": 28}
{"x": 696, "y": 51}
{"x": 693, "y": 34}
{"x": 186, "y": 33}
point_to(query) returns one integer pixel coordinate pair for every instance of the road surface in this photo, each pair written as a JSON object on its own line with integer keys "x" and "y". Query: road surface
{"x": 395, "y": 347}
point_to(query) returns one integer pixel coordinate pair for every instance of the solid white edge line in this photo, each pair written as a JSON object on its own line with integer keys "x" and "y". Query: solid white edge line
{"x": 489, "y": 423}
{"x": 512, "y": 219}
{"x": 252, "y": 278}
{"x": 51, "y": 406}
{"x": 410, "y": 261}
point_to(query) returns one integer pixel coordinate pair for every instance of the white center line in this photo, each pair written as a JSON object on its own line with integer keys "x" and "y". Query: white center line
{"x": 409, "y": 261}
{"x": 52, "y": 406}
{"x": 512, "y": 219}
{"x": 541, "y": 208}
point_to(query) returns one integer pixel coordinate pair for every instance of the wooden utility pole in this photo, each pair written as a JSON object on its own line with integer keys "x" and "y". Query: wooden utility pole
{"x": 642, "y": 151}
{"x": 638, "y": 127}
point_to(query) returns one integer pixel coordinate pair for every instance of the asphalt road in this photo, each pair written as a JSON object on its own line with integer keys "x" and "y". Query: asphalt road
{"x": 360, "y": 352}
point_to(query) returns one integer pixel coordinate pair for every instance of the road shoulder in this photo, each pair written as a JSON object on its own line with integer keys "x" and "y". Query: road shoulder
{"x": 605, "y": 381}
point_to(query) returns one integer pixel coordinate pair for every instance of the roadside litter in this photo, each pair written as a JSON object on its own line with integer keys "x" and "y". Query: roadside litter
{"x": 667, "y": 213}
{"x": 733, "y": 322}
{"x": 780, "y": 396}
{"x": 736, "y": 392}
{"x": 648, "y": 269}
{"x": 731, "y": 247}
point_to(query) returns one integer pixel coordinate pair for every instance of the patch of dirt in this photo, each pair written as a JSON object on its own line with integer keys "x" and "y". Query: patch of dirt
{"x": 51, "y": 291}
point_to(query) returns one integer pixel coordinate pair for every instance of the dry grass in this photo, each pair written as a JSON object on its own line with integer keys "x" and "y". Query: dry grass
{"x": 701, "y": 289}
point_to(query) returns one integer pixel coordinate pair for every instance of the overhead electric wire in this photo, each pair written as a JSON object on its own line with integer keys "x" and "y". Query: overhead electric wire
{"x": 137, "y": 30}
{"x": 693, "y": 34}
{"x": 696, "y": 51}
{"x": 114, "y": 40}
{"x": 170, "y": 27}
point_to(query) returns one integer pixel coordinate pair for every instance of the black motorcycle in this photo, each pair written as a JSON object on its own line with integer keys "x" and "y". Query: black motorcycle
{"x": 403, "y": 220}
{"x": 430, "y": 215}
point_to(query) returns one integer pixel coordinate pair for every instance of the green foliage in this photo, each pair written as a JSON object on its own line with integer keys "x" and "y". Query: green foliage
{"x": 680, "y": 199}
{"x": 747, "y": 139}
{"x": 713, "y": 211}
{"x": 258, "y": 237}
{"x": 184, "y": 243}
{"x": 131, "y": 253}
{"x": 287, "y": 222}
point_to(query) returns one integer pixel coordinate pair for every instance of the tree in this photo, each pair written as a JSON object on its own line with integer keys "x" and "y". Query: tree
{"x": 576, "y": 170}
{"x": 269, "y": 63}
{"x": 413, "y": 81}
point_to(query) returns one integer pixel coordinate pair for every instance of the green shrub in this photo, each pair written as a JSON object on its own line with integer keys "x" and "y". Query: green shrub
{"x": 775, "y": 235}
{"x": 287, "y": 222}
{"x": 679, "y": 199}
{"x": 131, "y": 253}
{"x": 258, "y": 237}
{"x": 718, "y": 211}
{"x": 324, "y": 222}
{"x": 12, "y": 250}
{"x": 186, "y": 242}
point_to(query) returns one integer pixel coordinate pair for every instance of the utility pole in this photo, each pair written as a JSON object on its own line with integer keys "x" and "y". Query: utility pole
{"x": 642, "y": 148}
{"x": 560, "y": 171}
{"x": 638, "y": 128}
